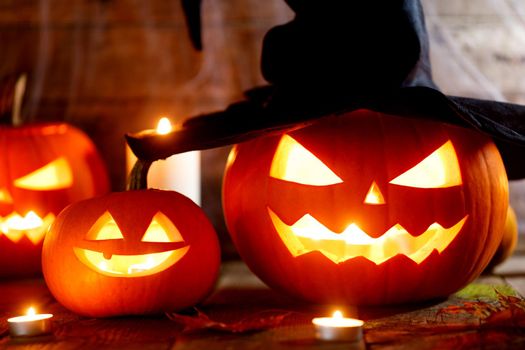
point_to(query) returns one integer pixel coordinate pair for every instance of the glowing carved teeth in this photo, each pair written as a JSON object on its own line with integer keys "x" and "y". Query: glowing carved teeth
{"x": 307, "y": 235}
{"x": 14, "y": 226}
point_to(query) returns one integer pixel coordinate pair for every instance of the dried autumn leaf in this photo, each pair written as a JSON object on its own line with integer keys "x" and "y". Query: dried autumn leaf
{"x": 256, "y": 322}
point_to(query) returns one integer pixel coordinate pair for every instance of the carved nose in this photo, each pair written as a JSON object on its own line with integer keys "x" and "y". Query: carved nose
{"x": 5, "y": 197}
{"x": 374, "y": 195}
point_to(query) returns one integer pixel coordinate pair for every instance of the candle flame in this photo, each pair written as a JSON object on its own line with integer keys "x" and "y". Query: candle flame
{"x": 337, "y": 314}
{"x": 164, "y": 126}
{"x": 31, "y": 311}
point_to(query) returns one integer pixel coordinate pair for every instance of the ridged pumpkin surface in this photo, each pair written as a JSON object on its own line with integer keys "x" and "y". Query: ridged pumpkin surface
{"x": 91, "y": 241}
{"x": 388, "y": 210}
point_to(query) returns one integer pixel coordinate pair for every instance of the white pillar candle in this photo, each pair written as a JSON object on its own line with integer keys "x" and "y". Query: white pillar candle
{"x": 180, "y": 172}
{"x": 338, "y": 328}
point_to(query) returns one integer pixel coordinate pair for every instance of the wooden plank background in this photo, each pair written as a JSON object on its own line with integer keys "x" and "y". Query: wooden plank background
{"x": 112, "y": 67}
{"x": 478, "y": 50}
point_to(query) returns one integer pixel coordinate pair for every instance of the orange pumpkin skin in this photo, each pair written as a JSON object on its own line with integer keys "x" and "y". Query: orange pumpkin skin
{"x": 361, "y": 148}
{"x": 27, "y": 149}
{"x": 85, "y": 291}
{"x": 508, "y": 241}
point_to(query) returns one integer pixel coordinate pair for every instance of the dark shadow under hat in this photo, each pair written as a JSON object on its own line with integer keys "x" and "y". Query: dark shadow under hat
{"x": 334, "y": 57}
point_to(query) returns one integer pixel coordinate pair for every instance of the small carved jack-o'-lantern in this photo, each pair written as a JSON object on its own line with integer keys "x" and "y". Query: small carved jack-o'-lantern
{"x": 367, "y": 208}
{"x": 134, "y": 252}
{"x": 44, "y": 167}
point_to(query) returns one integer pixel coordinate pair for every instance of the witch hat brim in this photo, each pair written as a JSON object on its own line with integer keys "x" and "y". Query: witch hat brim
{"x": 331, "y": 59}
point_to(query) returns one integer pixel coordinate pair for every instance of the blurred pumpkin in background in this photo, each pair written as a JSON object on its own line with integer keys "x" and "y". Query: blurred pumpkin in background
{"x": 43, "y": 168}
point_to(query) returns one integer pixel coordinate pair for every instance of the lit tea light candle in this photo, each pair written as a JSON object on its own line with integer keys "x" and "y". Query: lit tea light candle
{"x": 338, "y": 328}
{"x": 180, "y": 172}
{"x": 30, "y": 325}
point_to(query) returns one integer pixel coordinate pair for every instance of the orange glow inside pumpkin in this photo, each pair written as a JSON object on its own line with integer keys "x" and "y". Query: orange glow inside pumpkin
{"x": 15, "y": 226}
{"x": 294, "y": 163}
{"x": 307, "y": 234}
{"x": 160, "y": 230}
{"x": 374, "y": 195}
{"x": 52, "y": 176}
{"x": 439, "y": 170}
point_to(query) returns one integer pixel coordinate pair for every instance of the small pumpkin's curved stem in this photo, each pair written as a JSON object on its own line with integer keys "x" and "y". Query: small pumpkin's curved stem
{"x": 138, "y": 179}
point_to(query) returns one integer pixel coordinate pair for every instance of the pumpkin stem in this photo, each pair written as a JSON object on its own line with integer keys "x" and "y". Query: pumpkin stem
{"x": 12, "y": 90}
{"x": 20, "y": 89}
{"x": 138, "y": 179}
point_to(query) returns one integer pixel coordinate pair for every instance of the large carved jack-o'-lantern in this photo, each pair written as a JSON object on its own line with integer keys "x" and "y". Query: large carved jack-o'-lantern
{"x": 367, "y": 208}
{"x": 134, "y": 252}
{"x": 339, "y": 196}
{"x": 43, "y": 168}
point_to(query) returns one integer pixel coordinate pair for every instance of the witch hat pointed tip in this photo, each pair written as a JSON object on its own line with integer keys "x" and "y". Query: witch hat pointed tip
{"x": 192, "y": 12}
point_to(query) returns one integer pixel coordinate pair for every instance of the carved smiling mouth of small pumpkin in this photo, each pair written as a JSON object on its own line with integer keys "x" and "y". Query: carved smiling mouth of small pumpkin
{"x": 119, "y": 265}
{"x": 307, "y": 235}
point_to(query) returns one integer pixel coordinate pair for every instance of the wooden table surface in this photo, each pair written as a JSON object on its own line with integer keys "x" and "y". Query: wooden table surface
{"x": 488, "y": 314}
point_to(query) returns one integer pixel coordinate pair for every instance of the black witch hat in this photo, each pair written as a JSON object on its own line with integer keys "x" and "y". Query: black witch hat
{"x": 337, "y": 56}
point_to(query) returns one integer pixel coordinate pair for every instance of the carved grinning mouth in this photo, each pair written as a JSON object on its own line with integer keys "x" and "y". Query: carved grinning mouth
{"x": 307, "y": 235}
{"x": 15, "y": 226}
{"x": 129, "y": 265}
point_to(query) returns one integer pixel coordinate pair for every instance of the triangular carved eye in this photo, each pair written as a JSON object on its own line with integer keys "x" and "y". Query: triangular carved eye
{"x": 439, "y": 170}
{"x": 52, "y": 176}
{"x": 293, "y": 162}
{"x": 161, "y": 229}
{"x": 105, "y": 228}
